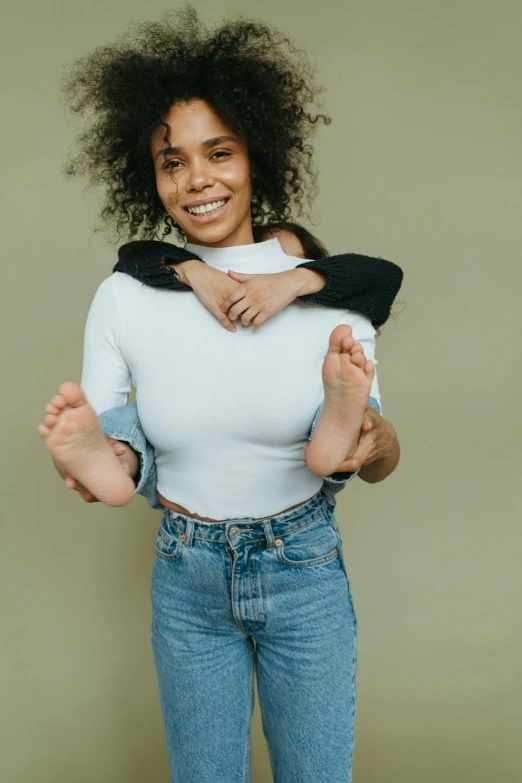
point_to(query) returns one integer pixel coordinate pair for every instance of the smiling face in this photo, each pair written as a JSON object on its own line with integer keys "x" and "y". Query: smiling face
{"x": 203, "y": 167}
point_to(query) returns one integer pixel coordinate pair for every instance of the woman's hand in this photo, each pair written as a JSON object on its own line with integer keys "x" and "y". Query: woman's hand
{"x": 71, "y": 483}
{"x": 378, "y": 452}
{"x": 261, "y": 296}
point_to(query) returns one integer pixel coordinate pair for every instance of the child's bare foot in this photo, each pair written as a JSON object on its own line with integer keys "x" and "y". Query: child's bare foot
{"x": 347, "y": 379}
{"x": 73, "y": 436}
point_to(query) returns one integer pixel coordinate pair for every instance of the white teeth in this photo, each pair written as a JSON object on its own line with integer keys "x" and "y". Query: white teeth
{"x": 206, "y": 208}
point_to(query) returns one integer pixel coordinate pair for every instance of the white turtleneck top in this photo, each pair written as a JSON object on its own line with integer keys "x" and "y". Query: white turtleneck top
{"x": 227, "y": 412}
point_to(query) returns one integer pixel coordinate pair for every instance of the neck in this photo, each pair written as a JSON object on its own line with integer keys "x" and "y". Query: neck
{"x": 244, "y": 258}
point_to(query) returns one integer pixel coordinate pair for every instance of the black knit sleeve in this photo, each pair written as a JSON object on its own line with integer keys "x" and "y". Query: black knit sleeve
{"x": 364, "y": 284}
{"x": 147, "y": 260}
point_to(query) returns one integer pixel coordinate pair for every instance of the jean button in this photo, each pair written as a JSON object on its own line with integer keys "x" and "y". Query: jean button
{"x": 234, "y": 532}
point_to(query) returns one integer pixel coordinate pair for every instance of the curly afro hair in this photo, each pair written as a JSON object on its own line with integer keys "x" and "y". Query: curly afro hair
{"x": 242, "y": 70}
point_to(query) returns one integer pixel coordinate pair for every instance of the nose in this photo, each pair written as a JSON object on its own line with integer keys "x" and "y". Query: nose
{"x": 200, "y": 176}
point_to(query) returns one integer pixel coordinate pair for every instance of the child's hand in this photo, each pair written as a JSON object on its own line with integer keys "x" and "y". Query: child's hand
{"x": 261, "y": 296}
{"x": 212, "y": 287}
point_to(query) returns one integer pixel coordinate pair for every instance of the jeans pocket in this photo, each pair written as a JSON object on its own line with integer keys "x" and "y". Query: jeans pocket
{"x": 169, "y": 541}
{"x": 312, "y": 545}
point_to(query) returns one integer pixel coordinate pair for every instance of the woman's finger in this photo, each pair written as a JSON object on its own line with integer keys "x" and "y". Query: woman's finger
{"x": 358, "y": 459}
{"x": 86, "y": 495}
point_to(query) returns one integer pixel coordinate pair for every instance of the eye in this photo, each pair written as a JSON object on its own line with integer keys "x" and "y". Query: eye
{"x": 171, "y": 164}
{"x": 222, "y": 152}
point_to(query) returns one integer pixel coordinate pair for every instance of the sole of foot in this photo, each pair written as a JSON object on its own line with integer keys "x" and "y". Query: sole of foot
{"x": 72, "y": 434}
{"x": 347, "y": 380}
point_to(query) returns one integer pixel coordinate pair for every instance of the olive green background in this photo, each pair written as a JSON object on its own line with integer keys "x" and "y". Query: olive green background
{"x": 421, "y": 165}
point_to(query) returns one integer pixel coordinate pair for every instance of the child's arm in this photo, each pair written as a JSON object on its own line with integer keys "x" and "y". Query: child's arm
{"x": 363, "y": 284}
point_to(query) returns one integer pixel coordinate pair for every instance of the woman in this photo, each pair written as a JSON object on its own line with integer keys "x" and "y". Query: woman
{"x": 185, "y": 119}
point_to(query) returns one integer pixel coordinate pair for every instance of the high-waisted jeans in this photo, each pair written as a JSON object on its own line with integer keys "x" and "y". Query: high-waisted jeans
{"x": 270, "y": 596}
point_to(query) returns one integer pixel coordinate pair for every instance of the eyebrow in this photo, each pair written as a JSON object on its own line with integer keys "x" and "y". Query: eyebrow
{"x": 205, "y": 144}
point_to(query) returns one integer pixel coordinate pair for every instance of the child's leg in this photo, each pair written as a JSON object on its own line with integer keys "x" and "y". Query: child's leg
{"x": 127, "y": 457}
{"x": 347, "y": 379}
{"x": 73, "y": 436}
{"x": 122, "y": 428}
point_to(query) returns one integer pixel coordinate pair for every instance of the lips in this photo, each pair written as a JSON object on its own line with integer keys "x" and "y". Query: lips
{"x": 205, "y": 201}
{"x": 208, "y": 217}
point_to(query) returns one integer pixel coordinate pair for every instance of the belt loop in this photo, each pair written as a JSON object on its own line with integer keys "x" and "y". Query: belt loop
{"x": 269, "y": 533}
{"x": 189, "y": 533}
{"x": 331, "y": 500}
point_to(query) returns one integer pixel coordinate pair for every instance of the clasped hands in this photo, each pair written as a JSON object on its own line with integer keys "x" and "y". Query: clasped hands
{"x": 252, "y": 298}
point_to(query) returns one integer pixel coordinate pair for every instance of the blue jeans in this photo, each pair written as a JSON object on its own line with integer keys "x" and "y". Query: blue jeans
{"x": 281, "y": 583}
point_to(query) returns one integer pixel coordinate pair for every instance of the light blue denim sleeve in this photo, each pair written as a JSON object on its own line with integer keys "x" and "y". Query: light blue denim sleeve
{"x": 123, "y": 424}
{"x": 330, "y": 484}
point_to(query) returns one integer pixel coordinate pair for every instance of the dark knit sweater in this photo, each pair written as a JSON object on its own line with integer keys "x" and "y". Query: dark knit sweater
{"x": 363, "y": 284}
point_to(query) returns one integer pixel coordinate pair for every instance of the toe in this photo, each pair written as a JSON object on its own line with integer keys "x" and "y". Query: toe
{"x": 369, "y": 369}
{"x": 58, "y": 402}
{"x": 50, "y": 420}
{"x": 72, "y": 394}
{"x": 43, "y": 430}
{"x": 52, "y": 409}
{"x": 337, "y": 336}
{"x": 348, "y": 343}
{"x": 358, "y": 358}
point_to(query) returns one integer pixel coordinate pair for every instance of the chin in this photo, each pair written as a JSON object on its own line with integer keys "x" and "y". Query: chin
{"x": 207, "y": 235}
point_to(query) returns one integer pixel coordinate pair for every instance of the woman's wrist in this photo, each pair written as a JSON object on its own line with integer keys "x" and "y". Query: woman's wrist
{"x": 308, "y": 280}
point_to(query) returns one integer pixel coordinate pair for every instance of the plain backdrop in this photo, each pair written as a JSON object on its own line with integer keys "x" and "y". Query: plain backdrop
{"x": 421, "y": 165}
